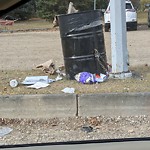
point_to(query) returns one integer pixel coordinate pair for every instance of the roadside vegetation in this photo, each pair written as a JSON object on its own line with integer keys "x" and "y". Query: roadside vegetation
{"x": 38, "y": 23}
{"x": 47, "y": 9}
{"x": 39, "y": 14}
{"x": 142, "y": 17}
{"x": 139, "y": 83}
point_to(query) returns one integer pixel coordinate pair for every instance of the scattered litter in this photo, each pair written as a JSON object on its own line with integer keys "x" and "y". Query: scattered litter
{"x": 38, "y": 82}
{"x": 4, "y": 131}
{"x": 61, "y": 68}
{"x": 38, "y": 85}
{"x": 58, "y": 78}
{"x": 87, "y": 129}
{"x": 51, "y": 80}
{"x": 34, "y": 79}
{"x": 100, "y": 78}
{"x": 85, "y": 77}
{"x": 60, "y": 71}
{"x": 13, "y": 83}
{"x": 68, "y": 90}
{"x": 47, "y": 67}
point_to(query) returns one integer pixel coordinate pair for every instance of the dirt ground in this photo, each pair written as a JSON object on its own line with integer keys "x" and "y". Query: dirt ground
{"x": 23, "y": 51}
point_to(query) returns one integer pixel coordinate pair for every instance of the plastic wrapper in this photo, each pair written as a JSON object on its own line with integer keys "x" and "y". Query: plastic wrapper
{"x": 89, "y": 78}
{"x": 85, "y": 77}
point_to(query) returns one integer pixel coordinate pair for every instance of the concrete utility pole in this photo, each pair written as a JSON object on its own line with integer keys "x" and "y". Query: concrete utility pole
{"x": 119, "y": 39}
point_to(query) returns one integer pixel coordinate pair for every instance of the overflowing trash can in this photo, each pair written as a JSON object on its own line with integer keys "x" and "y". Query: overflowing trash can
{"x": 83, "y": 42}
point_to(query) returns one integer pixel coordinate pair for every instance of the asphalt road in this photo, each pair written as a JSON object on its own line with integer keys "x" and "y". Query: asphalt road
{"x": 144, "y": 145}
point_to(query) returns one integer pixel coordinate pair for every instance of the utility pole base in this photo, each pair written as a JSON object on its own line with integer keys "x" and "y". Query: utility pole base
{"x": 120, "y": 75}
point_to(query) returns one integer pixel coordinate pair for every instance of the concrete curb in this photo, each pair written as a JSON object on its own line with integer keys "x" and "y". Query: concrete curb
{"x": 70, "y": 105}
{"x": 114, "y": 104}
{"x": 37, "y": 106}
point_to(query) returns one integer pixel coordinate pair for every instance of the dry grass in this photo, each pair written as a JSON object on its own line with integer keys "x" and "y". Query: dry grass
{"x": 140, "y": 82}
{"x": 142, "y": 17}
{"x": 30, "y": 24}
{"x": 36, "y": 23}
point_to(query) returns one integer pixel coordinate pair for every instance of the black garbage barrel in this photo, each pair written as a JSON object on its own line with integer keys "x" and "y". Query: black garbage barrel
{"x": 82, "y": 35}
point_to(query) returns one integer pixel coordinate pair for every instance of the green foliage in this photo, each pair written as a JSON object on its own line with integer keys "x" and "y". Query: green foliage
{"x": 143, "y": 2}
{"x": 136, "y": 3}
{"x": 24, "y": 12}
{"x": 49, "y": 8}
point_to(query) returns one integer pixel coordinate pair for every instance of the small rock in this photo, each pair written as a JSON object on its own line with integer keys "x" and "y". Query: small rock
{"x": 87, "y": 129}
{"x": 130, "y": 131}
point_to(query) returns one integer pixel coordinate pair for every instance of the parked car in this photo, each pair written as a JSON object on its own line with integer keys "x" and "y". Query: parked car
{"x": 131, "y": 17}
{"x": 8, "y": 17}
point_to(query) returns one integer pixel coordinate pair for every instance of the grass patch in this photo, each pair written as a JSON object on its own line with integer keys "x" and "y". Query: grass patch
{"x": 30, "y": 24}
{"x": 142, "y": 17}
{"x": 140, "y": 82}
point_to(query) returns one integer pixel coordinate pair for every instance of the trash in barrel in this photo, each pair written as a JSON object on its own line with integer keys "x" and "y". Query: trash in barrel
{"x": 83, "y": 43}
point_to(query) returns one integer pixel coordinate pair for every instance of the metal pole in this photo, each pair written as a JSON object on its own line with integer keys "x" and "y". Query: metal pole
{"x": 119, "y": 39}
{"x": 94, "y": 4}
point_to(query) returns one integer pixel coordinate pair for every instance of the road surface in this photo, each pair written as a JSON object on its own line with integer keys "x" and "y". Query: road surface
{"x": 144, "y": 145}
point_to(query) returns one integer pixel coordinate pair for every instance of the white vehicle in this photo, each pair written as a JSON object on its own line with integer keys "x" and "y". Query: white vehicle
{"x": 149, "y": 16}
{"x": 131, "y": 17}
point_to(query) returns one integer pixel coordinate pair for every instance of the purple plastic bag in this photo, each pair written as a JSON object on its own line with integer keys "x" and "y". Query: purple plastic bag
{"x": 85, "y": 77}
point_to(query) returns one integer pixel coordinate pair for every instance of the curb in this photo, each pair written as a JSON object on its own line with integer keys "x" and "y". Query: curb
{"x": 37, "y": 106}
{"x": 71, "y": 105}
{"x": 115, "y": 104}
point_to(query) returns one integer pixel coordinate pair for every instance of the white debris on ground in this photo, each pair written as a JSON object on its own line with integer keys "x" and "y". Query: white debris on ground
{"x": 37, "y": 82}
{"x": 4, "y": 131}
{"x": 38, "y": 85}
{"x": 68, "y": 90}
{"x": 73, "y": 128}
{"x": 34, "y": 79}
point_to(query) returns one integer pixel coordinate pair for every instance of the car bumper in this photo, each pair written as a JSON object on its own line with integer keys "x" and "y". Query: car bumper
{"x": 130, "y": 25}
{"x": 107, "y": 25}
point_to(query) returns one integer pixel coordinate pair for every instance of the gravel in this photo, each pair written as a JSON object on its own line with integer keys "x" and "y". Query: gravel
{"x": 27, "y": 131}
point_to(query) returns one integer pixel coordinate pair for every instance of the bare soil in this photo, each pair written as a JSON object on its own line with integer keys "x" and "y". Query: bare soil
{"x": 21, "y": 52}
{"x": 24, "y": 50}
